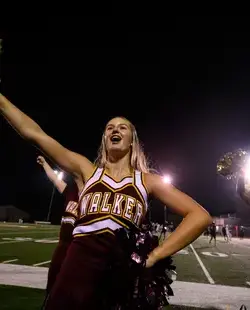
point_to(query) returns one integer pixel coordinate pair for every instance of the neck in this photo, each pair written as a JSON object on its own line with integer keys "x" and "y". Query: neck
{"x": 119, "y": 167}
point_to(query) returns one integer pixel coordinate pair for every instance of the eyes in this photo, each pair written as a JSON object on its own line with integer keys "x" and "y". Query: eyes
{"x": 122, "y": 127}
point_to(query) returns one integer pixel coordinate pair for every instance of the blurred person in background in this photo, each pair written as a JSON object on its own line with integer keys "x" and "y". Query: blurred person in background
{"x": 69, "y": 217}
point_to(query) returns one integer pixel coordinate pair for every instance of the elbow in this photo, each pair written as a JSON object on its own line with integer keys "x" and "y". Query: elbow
{"x": 205, "y": 218}
{"x": 209, "y": 219}
{"x": 201, "y": 217}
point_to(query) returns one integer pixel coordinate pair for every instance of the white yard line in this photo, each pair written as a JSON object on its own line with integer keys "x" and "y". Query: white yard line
{"x": 14, "y": 241}
{"x": 29, "y": 232}
{"x": 42, "y": 263}
{"x": 209, "y": 278}
{"x": 9, "y": 261}
{"x": 190, "y": 294}
{"x": 29, "y": 240}
{"x": 210, "y": 296}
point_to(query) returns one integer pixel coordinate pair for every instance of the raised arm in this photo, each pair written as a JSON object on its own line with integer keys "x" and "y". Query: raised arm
{"x": 196, "y": 219}
{"x": 59, "y": 184}
{"x": 71, "y": 162}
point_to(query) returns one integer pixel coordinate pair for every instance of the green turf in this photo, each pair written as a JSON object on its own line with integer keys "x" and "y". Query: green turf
{"x": 188, "y": 268}
{"x": 27, "y": 253}
{"x": 20, "y": 298}
{"x": 32, "y": 299}
{"x": 231, "y": 270}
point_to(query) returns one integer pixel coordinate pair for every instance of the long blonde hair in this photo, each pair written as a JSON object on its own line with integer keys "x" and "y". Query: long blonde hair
{"x": 138, "y": 160}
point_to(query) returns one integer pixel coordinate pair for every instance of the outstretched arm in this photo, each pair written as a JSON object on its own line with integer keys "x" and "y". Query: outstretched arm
{"x": 195, "y": 221}
{"x": 71, "y": 162}
{"x": 59, "y": 184}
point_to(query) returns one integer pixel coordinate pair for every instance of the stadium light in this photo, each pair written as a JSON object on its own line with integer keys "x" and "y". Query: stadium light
{"x": 246, "y": 169}
{"x": 167, "y": 179}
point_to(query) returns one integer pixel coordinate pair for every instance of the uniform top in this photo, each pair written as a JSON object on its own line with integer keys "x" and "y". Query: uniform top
{"x": 106, "y": 204}
{"x": 70, "y": 214}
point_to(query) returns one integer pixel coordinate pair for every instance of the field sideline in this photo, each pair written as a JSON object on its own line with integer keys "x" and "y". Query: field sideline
{"x": 213, "y": 277}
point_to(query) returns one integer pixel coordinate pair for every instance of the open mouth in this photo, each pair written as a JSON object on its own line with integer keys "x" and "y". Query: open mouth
{"x": 115, "y": 139}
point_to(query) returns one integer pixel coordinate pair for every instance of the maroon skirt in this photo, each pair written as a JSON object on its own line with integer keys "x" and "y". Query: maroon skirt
{"x": 56, "y": 263}
{"x": 79, "y": 283}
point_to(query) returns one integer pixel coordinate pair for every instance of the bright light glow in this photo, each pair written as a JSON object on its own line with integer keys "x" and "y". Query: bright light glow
{"x": 59, "y": 174}
{"x": 247, "y": 169}
{"x": 167, "y": 179}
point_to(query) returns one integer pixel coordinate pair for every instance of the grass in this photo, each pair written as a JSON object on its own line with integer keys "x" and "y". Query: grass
{"x": 32, "y": 244}
{"x": 20, "y": 298}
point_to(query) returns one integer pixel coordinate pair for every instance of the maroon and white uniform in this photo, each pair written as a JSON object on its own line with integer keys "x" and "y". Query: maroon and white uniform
{"x": 69, "y": 217}
{"x": 105, "y": 205}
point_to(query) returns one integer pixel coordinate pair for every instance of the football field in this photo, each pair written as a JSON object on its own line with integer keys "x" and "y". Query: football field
{"x": 209, "y": 276}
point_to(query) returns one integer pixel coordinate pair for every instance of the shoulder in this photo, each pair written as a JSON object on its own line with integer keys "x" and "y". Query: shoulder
{"x": 151, "y": 181}
{"x": 86, "y": 166}
{"x": 95, "y": 174}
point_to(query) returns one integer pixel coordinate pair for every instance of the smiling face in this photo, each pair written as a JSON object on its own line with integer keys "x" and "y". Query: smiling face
{"x": 118, "y": 140}
{"x": 118, "y": 137}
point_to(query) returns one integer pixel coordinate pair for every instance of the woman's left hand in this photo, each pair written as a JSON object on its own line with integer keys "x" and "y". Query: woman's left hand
{"x": 151, "y": 260}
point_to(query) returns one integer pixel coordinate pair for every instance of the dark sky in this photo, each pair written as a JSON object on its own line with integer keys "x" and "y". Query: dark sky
{"x": 186, "y": 90}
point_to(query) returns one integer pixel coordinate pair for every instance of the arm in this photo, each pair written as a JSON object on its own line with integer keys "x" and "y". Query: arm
{"x": 71, "y": 162}
{"x": 59, "y": 184}
{"x": 195, "y": 221}
{"x": 79, "y": 183}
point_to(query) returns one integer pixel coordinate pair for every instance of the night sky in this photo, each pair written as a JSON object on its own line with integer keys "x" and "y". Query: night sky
{"x": 186, "y": 91}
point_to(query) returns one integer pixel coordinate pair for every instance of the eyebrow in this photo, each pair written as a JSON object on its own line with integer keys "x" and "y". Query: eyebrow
{"x": 119, "y": 124}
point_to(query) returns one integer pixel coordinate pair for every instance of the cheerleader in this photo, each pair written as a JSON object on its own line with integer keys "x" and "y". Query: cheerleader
{"x": 115, "y": 196}
{"x": 69, "y": 217}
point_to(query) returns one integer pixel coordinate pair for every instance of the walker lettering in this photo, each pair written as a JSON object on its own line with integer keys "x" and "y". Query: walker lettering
{"x": 116, "y": 204}
{"x": 72, "y": 207}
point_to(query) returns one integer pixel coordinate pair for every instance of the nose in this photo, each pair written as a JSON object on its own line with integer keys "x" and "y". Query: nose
{"x": 115, "y": 131}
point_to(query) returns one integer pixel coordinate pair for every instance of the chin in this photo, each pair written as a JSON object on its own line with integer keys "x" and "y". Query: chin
{"x": 117, "y": 150}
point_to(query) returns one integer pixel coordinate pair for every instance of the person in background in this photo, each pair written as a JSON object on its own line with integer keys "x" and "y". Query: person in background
{"x": 164, "y": 232}
{"x": 228, "y": 233}
{"x": 242, "y": 232}
{"x": 212, "y": 231}
{"x": 224, "y": 233}
{"x": 69, "y": 217}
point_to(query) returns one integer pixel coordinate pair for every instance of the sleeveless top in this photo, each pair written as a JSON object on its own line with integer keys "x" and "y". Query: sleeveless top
{"x": 70, "y": 214}
{"x": 106, "y": 205}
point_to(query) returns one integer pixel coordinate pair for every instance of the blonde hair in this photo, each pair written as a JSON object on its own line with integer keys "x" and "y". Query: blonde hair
{"x": 138, "y": 160}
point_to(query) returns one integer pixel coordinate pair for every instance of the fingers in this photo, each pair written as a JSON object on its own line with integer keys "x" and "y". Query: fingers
{"x": 40, "y": 160}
